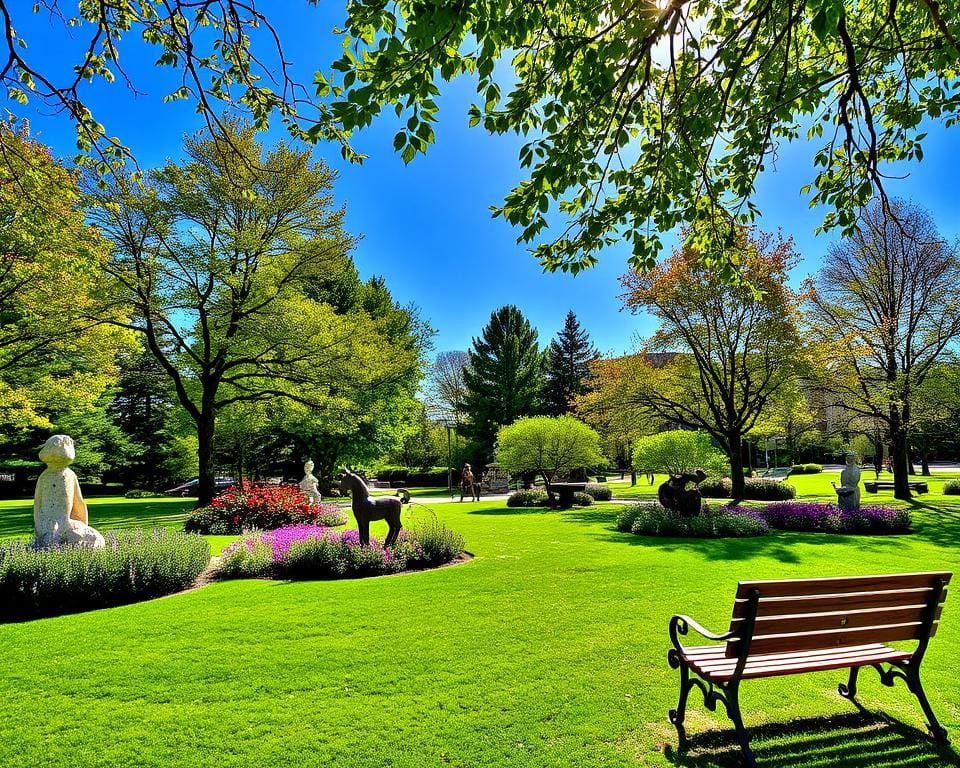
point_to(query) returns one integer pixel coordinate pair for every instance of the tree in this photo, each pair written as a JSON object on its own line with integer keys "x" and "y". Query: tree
{"x": 568, "y": 361}
{"x": 737, "y": 343}
{"x": 610, "y": 409}
{"x": 641, "y": 117}
{"x": 446, "y": 389}
{"x": 645, "y": 116}
{"x": 549, "y": 446}
{"x": 935, "y": 420}
{"x": 505, "y": 376}
{"x": 53, "y": 358}
{"x": 885, "y": 306}
{"x": 676, "y": 452}
{"x": 220, "y": 257}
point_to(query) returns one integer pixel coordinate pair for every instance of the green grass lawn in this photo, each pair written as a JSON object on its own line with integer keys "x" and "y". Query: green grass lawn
{"x": 547, "y": 649}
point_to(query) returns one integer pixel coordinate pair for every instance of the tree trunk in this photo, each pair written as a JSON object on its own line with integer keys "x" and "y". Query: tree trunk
{"x": 737, "y": 491}
{"x": 546, "y": 484}
{"x": 898, "y": 456}
{"x": 925, "y": 464}
{"x": 206, "y": 484}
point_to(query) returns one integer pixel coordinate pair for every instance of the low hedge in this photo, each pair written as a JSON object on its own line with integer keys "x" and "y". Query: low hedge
{"x": 598, "y": 491}
{"x": 760, "y": 489}
{"x": 951, "y": 488}
{"x": 716, "y": 488}
{"x": 532, "y": 497}
{"x": 806, "y": 469}
{"x": 135, "y": 565}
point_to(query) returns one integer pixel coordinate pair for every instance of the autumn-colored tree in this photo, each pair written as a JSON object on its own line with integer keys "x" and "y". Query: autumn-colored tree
{"x": 885, "y": 305}
{"x": 53, "y": 358}
{"x": 736, "y": 344}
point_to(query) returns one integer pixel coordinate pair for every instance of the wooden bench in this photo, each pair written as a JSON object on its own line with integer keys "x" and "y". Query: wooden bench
{"x": 873, "y": 486}
{"x": 808, "y": 625}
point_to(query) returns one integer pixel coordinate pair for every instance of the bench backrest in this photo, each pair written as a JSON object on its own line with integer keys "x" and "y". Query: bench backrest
{"x": 811, "y": 614}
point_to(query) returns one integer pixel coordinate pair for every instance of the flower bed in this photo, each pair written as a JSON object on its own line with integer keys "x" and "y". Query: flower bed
{"x": 260, "y": 507}
{"x": 728, "y": 521}
{"x": 135, "y": 565}
{"x": 318, "y": 552}
{"x": 722, "y": 522}
{"x": 827, "y": 518}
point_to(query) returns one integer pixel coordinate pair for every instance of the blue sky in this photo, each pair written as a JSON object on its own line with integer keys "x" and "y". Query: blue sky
{"x": 427, "y": 227}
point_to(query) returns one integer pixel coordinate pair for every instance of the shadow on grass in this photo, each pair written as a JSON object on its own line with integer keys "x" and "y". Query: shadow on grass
{"x": 856, "y": 740}
{"x": 937, "y": 523}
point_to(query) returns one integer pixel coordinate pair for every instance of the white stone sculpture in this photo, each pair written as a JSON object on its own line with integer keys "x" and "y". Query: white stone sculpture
{"x": 59, "y": 511}
{"x": 848, "y": 492}
{"x": 310, "y": 485}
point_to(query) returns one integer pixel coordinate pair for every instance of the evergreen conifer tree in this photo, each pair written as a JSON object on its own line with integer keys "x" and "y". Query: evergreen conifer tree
{"x": 568, "y": 361}
{"x": 504, "y": 380}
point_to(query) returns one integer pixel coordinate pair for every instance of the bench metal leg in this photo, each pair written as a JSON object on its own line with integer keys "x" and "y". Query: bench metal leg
{"x": 849, "y": 691}
{"x": 733, "y": 711}
{"x": 910, "y": 674}
{"x": 677, "y": 715}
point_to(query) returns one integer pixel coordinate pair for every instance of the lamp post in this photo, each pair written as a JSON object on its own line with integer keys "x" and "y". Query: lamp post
{"x": 449, "y": 427}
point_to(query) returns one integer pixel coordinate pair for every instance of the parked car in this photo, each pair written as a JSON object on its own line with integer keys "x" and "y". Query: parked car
{"x": 189, "y": 488}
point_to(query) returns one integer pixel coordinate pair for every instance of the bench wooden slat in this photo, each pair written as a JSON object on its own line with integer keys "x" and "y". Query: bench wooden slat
{"x": 839, "y": 586}
{"x": 721, "y": 668}
{"x": 792, "y": 606}
{"x": 831, "y": 638}
{"x": 813, "y": 622}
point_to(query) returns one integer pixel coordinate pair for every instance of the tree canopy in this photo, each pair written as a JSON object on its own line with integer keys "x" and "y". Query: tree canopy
{"x": 548, "y": 446}
{"x": 735, "y": 345}
{"x": 640, "y": 116}
{"x": 885, "y": 307}
{"x": 677, "y": 451}
{"x": 225, "y": 260}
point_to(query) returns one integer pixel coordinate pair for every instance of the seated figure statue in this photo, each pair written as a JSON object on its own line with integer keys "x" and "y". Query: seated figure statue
{"x": 848, "y": 492}
{"x": 310, "y": 486}
{"x": 59, "y": 512}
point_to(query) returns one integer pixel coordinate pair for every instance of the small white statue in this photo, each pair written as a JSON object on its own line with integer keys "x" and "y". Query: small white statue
{"x": 848, "y": 492}
{"x": 59, "y": 512}
{"x": 310, "y": 485}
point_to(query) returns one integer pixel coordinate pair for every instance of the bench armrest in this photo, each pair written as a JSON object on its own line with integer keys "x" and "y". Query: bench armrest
{"x": 680, "y": 625}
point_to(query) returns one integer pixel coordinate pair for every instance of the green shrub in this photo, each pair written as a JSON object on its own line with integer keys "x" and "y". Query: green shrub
{"x": 951, "y": 488}
{"x": 135, "y": 565}
{"x": 431, "y": 544}
{"x": 139, "y": 493}
{"x": 260, "y": 507}
{"x": 759, "y": 489}
{"x": 598, "y": 492}
{"x": 716, "y": 488}
{"x": 806, "y": 469}
{"x": 253, "y": 558}
{"x": 582, "y": 499}
{"x": 533, "y": 497}
{"x": 628, "y": 515}
{"x": 722, "y": 522}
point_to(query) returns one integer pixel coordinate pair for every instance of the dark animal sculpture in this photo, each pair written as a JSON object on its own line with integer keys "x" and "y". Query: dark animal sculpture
{"x": 675, "y": 495}
{"x": 366, "y": 509}
{"x": 469, "y": 484}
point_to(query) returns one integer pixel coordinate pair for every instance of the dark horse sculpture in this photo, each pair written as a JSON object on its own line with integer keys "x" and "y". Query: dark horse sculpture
{"x": 366, "y": 509}
{"x": 675, "y": 495}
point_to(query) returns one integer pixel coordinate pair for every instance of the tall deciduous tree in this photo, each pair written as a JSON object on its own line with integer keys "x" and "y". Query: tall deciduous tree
{"x": 568, "y": 361}
{"x": 885, "y": 305}
{"x": 738, "y": 343}
{"x": 548, "y": 446}
{"x": 219, "y": 257}
{"x": 505, "y": 376}
{"x": 446, "y": 388}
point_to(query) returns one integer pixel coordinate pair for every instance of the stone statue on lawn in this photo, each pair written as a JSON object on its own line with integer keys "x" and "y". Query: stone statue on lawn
{"x": 59, "y": 511}
{"x": 848, "y": 492}
{"x": 310, "y": 486}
